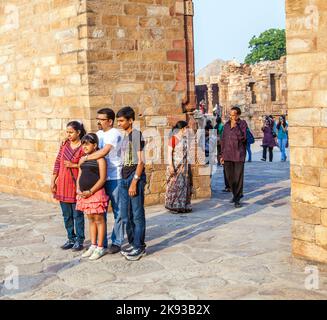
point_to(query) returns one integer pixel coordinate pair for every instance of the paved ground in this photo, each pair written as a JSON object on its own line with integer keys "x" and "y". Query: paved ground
{"x": 217, "y": 252}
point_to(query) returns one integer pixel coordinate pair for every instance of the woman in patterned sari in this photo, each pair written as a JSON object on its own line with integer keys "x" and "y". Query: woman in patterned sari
{"x": 179, "y": 174}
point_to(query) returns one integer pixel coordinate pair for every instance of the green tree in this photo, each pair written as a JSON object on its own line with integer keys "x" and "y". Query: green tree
{"x": 269, "y": 46}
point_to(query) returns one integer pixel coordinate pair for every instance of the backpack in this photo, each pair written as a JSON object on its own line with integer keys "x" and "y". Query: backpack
{"x": 249, "y": 136}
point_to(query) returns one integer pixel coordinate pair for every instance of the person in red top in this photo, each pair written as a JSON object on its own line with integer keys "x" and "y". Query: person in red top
{"x": 63, "y": 185}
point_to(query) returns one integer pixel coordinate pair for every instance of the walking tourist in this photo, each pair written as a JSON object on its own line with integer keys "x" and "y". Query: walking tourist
{"x": 220, "y": 128}
{"x": 63, "y": 185}
{"x": 179, "y": 174}
{"x": 249, "y": 140}
{"x": 282, "y": 135}
{"x": 234, "y": 153}
{"x": 91, "y": 196}
{"x": 269, "y": 137}
{"x": 110, "y": 140}
{"x": 132, "y": 185}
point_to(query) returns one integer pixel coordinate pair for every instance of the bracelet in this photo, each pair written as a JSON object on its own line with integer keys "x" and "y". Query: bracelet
{"x": 91, "y": 192}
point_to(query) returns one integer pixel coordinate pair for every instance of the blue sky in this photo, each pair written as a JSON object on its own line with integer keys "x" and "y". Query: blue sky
{"x": 223, "y": 28}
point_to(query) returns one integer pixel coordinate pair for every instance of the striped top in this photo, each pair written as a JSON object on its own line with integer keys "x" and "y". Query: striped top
{"x": 66, "y": 188}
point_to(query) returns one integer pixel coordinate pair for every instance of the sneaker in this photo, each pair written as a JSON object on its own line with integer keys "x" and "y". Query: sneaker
{"x": 89, "y": 252}
{"x": 126, "y": 251}
{"x": 97, "y": 254}
{"x": 78, "y": 246}
{"x": 135, "y": 254}
{"x": 113, "y": 249}
{"x": 68, "y": 245}
{"x": 227, "y": 190}
{"x": 263, "y": 160}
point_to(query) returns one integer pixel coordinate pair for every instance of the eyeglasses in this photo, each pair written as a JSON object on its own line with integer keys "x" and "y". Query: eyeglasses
{"x": 99, "y": 119}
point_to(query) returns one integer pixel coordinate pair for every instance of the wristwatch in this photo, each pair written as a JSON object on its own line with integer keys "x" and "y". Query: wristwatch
{"x": 136, "y": 177}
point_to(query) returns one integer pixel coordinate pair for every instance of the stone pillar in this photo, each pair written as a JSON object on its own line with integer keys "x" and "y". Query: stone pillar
{"x": 201, "y": 174}
{"x": 307, "y": 85}
{"x": 210, "y": 98}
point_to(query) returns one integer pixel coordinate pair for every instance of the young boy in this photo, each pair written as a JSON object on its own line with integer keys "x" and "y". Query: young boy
{"x": 131, "y": 187}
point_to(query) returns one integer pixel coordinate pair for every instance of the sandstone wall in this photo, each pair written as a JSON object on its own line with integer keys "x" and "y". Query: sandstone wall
{"x": 307, "y": 84}
{"x": 64, "y": 59}
{"x": 43, "y": 84}
{"x": 137, "y": 56}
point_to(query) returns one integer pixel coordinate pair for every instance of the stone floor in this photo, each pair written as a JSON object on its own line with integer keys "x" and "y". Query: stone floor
{"x": 216, "y": 252}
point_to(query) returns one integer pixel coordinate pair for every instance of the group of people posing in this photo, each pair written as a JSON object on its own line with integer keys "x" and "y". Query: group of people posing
{"x": 92, "y": 169}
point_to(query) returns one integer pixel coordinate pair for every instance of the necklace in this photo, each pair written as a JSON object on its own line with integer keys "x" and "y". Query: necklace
{"x": 75, "y": 145}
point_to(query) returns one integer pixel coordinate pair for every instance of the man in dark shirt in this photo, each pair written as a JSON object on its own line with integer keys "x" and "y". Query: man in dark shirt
{"x": 233, "y": 145}
{"x": 131, "y": 187}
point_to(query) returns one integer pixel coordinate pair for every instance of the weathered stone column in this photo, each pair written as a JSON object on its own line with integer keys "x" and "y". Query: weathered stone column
{"x": 307, "y": 85}
{"x": 210, "y": 98}
{"x": 201, "y": 174}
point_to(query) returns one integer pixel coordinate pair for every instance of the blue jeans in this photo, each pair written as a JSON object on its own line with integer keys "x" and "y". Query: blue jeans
{"x": 132, "y": 211}
{"x": 117, "y": 235}
{"x": 248, "y": 149}
{"x": 73, "y": 217}
{"x": 282, "y": 146}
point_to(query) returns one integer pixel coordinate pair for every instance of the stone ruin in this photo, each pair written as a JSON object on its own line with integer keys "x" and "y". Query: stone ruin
{"x": 259, "y": 90}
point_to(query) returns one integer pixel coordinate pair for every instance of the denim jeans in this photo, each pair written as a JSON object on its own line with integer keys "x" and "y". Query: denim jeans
{"x": 248, "y": 149}
{"x": 282, "y": 146}
{"x": 132, "y": 211}
{"x": 117, "y": 235}
{"x": 74, "y": 222}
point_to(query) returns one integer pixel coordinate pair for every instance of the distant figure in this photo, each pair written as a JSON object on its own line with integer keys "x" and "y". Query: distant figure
{"x": 282, "y": 135}
{"x": 249, "y": 140}
{"x": 202, "y": 106}
{"x": 234, "y": 153}
{"x": 220, "y": 128}
{"x": 268, "y": 141}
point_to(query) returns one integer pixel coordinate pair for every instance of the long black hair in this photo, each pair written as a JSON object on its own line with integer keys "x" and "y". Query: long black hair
{"x": 283, "y": 122}
{"x": 178, "y": 126}
{"x": 77, "y": 126}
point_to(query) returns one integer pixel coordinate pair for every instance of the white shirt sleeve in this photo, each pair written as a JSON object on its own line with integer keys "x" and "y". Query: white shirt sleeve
{"x": 112, "y": 138}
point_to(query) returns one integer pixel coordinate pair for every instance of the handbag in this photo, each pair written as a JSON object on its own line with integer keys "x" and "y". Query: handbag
{"x": 249, "y": 136}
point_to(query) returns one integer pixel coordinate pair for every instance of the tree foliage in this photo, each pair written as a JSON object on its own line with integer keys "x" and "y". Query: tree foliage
{"x": 269, "y": 46}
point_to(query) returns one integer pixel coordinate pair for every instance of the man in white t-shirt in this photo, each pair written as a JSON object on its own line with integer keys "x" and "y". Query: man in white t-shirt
{"x": 110, "y": 140}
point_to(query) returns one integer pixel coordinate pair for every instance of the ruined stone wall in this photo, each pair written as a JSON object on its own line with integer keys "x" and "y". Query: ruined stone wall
{"x": 307, "y": 85}
{"x": 137, "y": 56}
{"x": 235, "y": 83}
{"x": 43, "y": 84}
{"x": 64, "y": 59}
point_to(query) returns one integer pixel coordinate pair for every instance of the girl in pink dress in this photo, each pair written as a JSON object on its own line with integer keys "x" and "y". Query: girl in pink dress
{"x": 91, "y": 196}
